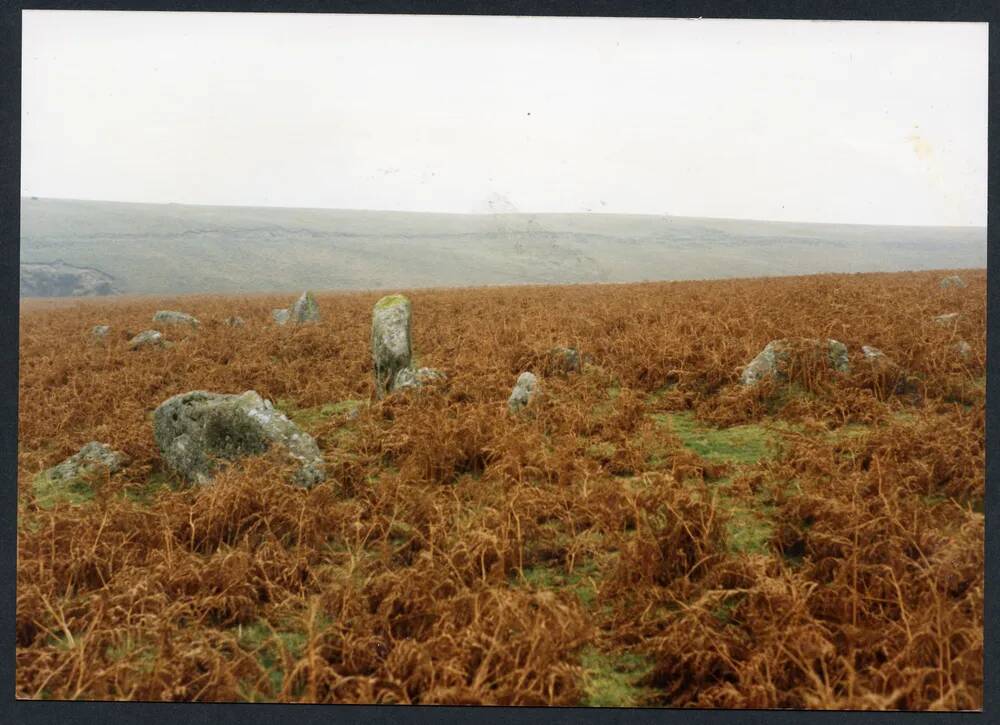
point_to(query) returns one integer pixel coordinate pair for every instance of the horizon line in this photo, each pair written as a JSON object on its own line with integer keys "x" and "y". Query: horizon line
{"x": 664, "y": 215}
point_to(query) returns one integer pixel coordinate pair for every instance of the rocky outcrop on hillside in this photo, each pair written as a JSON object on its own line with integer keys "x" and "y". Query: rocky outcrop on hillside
{"x": 58, "y": 279}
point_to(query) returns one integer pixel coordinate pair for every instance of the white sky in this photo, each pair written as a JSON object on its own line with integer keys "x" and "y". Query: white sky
{"x": 792, "y": 120}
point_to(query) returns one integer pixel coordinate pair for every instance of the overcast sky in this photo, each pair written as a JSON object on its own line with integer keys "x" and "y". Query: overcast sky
{"x": 787, "y": 120}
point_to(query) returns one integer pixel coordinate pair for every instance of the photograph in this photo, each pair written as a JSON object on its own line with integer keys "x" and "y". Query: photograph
{"x": 499, "y": 360}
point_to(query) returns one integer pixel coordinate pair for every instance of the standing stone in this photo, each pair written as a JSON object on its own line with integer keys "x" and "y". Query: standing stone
{"x": 171, "y": 317}
{"x": 305, "y": 309}
{"x": 523, "y": 393}
{"x": 92, "y": 458}
{"x": 100, "y": 332}
{"x": 774, "y": 358}
{"x": 952, "y": 280}
{"x": 197, "y": 431}
{"x": 391, "y": 347}
{"x": 147, "y": 338}
{"x": 281, "y": 316}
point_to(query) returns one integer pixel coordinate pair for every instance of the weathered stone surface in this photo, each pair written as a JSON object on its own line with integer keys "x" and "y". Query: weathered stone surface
{"x": 147, "y": 338}
{"x": 172, "y": 317}
{"x": 92, "y": 458}
{"x": 872, "y": 353}
{"x": 949, "y": 319}
{"x": 524, "y": 392}
{"x": 410, "y": 378}
{"x": 235, "y": 321}
{"x": 305, "y": 309}
{"x": 566, "y": 359}
{"x": 952, "y": 280}
{"x": 198, "y": 431}
{"x": 58, "y": 279}
{"x": 100, "y": 332}
{"x": 391, "y": 347}
{"x": 776, "y": 355}
{"x": 281, "y": 316}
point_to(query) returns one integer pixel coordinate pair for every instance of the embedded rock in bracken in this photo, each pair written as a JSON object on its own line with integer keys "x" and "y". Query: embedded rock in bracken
{"x": 199, "y": 431}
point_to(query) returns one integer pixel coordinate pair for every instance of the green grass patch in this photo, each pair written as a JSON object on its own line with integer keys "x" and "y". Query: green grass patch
{"x": 748, "y": 531}
{"x": 611, "y": 680}
{"x": 307, "y": 418}
{"x": 145, "y": 494}
{"x": 582, "y": 581}
{"x": 49, "y": 492}
{"x": 269, "y": 647}
{"x": 739, "y": 445}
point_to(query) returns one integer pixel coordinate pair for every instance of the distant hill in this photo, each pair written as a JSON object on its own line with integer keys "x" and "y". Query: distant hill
{"x": 173, "y": 248}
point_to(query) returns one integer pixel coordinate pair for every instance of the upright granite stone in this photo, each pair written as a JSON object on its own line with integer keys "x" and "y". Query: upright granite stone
{"x": 391, "y": 347}
{"x": 523, "y": 393}
{"x": 952, "y": 280}
{"x": 91, "y": 459}
{"x": 147, "y": 338}
{"x": 172, "y": 317}
{"x": 777, "y": 355}
{"x": 198, "y": 431}
{"x": 305, "y": 309}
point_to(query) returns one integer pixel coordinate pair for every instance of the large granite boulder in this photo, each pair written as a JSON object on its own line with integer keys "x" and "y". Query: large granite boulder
{"x": 391, "y": 347}
{"x": 93, "y": 458}
{"x": 198, "y": 431}
{"x": 773, "y": 361}
{"x": 172, "y": 317}
{"x": 524, "y": 392}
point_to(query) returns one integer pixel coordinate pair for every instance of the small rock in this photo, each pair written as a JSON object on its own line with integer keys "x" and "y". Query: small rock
{"x": 872, "y": 353}
{"x": 390, "y": 341}
{"x": 964, "y": 349}
{"x": 93, "y": 457}
{"x": 305, "y": 309}
{"x": 147, "y": 338}
{"x": 171, "y": 317}
{"x": 100, "y": 332}
{"x": 235, "y": 321}
{"x": 952, "y": 281}
{"x": 949, "y": 319}
{"x": 197, "y": 431}
{"x": 776, "y": 355}
{"x": 410, "y": 378}
{"x": 566, "y": 359}
{"x": 281, "y": 316}
{"x": 523, "y": 393}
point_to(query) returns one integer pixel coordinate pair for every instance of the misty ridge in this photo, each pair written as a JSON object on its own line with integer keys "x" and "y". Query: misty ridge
{"x": 180, "y": 249}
